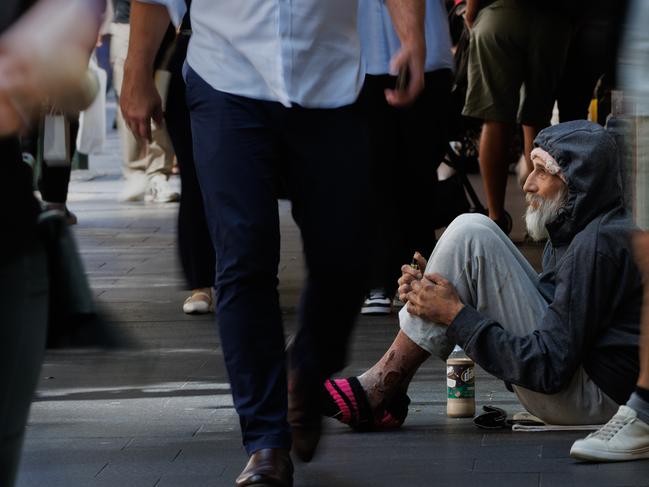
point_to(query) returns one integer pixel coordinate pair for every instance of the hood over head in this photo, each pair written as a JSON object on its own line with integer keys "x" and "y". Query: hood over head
{"x": 588, "y": 158}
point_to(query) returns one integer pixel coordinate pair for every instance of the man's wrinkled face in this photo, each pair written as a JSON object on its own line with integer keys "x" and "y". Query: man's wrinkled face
{"x": 545, "y": 194}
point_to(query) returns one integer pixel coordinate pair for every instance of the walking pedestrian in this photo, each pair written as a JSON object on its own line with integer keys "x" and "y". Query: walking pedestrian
{"x": 146, "y": 163}
{"x": 404, "y": 141}
{"x": 271, "y": 89}
{"x": 194, "y": 244}
{"x": 516, "y": 47}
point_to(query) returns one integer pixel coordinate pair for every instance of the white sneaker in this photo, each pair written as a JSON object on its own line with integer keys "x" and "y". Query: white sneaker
{"x": 377, "y": 303}
{"x": 159, "y": 191}
{"x": 199, "y": 303}
{"x": 134, "y": 188}
{"x": 624, "y": 437}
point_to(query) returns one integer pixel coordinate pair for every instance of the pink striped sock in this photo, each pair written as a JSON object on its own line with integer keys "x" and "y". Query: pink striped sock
{"x": 340, "y": 402}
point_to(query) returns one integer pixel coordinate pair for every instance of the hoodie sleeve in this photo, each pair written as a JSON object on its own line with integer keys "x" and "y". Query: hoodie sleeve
{"x": 546, "y": 360}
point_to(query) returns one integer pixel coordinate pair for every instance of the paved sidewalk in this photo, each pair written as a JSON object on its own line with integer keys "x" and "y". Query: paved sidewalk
{"x": 163, "y": 416}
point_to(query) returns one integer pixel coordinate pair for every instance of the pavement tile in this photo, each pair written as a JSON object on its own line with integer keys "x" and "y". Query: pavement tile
{"x": 197, "y": 480}
{"x": 321, "y": 476}
{"x": 585, "y": 476}
{"x": 504, "y": 464}
{"x": 36, "y": 480}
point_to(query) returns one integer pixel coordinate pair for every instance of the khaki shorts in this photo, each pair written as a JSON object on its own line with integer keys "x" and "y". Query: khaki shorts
{"x": 516, "y": 57}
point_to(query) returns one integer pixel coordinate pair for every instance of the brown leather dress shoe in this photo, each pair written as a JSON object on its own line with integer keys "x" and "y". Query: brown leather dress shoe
{"x": 270, "y": 467}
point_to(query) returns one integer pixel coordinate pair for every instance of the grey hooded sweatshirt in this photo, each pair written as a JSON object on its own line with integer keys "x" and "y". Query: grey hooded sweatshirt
{"x": 589, "y": 279}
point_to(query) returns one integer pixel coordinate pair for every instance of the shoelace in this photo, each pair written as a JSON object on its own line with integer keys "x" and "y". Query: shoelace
{"x": 610, "y": 429}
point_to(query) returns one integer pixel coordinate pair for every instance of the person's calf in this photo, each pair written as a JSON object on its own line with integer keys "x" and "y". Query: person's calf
{"x": 529, "y": 134}
{"x": 393, "y": 372}
{"x": 495, "y": 142}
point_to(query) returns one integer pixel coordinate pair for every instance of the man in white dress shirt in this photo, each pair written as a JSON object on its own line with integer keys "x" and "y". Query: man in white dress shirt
{"x": 272, "y": 88}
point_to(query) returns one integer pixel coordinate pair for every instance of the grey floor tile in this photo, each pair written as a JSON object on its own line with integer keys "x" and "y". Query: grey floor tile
{"x": 582, "y": 476}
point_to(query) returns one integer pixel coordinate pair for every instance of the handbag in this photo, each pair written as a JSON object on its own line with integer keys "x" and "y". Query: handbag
{"x": 56, "y": 136}
{"x": 92, "y": 121}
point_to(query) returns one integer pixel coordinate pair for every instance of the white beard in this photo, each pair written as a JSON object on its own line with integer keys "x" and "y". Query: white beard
{"x": 546, "y": 212}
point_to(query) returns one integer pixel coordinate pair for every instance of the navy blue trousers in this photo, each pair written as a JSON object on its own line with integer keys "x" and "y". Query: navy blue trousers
{"x": 244, "y": 150}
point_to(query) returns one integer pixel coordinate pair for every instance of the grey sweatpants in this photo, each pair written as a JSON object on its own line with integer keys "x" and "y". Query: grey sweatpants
{"x": 491, "y": 275}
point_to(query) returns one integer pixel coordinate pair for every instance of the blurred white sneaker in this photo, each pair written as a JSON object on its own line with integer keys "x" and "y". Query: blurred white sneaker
{"x": 159, "y": 191}
{"x": 134, "y": 188}
{"x": 200, "y": 302}
{"x": 625, "y": 437}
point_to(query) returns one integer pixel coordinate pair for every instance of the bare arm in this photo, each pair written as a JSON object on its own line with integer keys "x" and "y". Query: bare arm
{"x": 44, "y": 57}
{"x": 139, "y": 100}
{"x": 408, "y": 19}
{"x": 472, "y": 8}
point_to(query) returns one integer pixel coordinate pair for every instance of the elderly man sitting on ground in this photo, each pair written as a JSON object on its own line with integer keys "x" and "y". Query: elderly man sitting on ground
{"x": 565, "y": 340}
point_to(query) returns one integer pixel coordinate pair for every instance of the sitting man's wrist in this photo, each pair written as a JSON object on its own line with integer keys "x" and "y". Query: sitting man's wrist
{"x": 453, "y": 312}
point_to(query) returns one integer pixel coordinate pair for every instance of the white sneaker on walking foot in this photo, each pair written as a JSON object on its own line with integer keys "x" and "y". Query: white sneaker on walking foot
{"x": 134, "y": 188}
{"x": 199, "y": 303}
{"x": 159, "y": 190}
{"x": 625, "y": 437}
{"x": 377, "y": 303}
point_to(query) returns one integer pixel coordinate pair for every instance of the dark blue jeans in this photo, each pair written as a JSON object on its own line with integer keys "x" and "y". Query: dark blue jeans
{"x": 244, "y": 149}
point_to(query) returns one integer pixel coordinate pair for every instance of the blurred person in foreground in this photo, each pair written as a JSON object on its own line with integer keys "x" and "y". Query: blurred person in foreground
{"x": 565, "y": 340}
{"x": 43, "y": 58}
{"x": 626, "y": 435}
{"x": 254, "y": 122}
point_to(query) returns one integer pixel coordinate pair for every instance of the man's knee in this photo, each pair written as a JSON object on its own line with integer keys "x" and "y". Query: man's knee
{"x": 471, "y": 232}
{"x": 472, "y": 224}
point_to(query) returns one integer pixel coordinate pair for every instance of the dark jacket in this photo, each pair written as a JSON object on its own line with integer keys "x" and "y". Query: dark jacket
{"x": 16, "y": 189}
{"x": 9, "y": 10}
{"x": 589, "y": 279}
